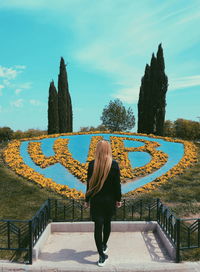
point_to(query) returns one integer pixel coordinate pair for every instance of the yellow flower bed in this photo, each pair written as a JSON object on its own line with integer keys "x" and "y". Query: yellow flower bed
{"x": 15, "y": 161}
{"x": 120, "y": 153}
{"x": 189, "y": 158}
{"x": 36, "y": 154}
{"x": 63, "y": 156}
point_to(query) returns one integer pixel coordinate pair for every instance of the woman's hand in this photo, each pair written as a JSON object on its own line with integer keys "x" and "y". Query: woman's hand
{"x": 86, "y": 205}
{"x": 118, "y": 204}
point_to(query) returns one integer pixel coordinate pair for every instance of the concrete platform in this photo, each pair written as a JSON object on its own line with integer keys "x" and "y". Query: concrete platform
{"x": 76, "y": 251}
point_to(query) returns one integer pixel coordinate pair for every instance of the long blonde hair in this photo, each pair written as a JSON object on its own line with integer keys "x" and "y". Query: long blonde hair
{"x": 102, "y": 165}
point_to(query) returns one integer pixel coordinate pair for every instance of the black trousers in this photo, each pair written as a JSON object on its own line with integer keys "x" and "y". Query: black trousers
{"x": 102, "y": 229}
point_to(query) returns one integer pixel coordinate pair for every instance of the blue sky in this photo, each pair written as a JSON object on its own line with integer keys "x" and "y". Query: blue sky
{"x": 106, "y": 45}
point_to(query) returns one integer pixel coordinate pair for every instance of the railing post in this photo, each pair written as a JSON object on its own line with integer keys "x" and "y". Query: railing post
{"x": 81, "y": 212}
{"x": 64, "y": 212}
{"x": 141, "y": 209}
{"x": 157, "y": 210}
{"x": 198, "y": 232}
{"x": 73, "y": 211}
{"x": 56, "y": 208}
{"x": 30, "y": 241}
{"x": 124, "y": 209}
{"x": 19, "y": 238}
{"x": 8, "y": 233}
{"x": 149, "y": 212}
{"x": 132, "y": 210}
{"x": 161, "y": 215}
{"x": 165, "y": 219}
{"x": 188, "y": 237}
{"x": 49, "y": 209}
{"x": 178, "y": 223}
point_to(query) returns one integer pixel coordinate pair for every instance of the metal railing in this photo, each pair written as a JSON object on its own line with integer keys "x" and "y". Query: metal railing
{"x": 73, "y": 210}
{"x": 15, "y": 236}
{"x": 39, "y": 221}
{"x": 20, "y": 236}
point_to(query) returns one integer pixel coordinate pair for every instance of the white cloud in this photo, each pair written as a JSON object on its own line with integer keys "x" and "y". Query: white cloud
{"x": 18, "y": 87}
{"x": 184, "y": 82}
{"x": 17, "y": 103}
{"x": 190, "y": 17}
{"x": 20, "y": 67}
{"x": 128, "y": 95}
{"x": 6, "y": 82}
{"x": 1, "y": 87}
{"x": 17, "y": 91}
{"x": 23, "y": 86}
{"x": 35, "y": 102}
{"x": 8, "y": 73}
{"x": 131, "y": 94}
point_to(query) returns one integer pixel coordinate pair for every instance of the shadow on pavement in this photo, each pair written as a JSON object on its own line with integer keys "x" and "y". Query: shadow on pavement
{"x": 69, "y": 255}
{"x": 155, "y": 248}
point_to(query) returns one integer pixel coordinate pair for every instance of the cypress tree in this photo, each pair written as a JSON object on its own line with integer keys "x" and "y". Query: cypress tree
{"x": 64, "y": 101}
{"x": 143, "y": 101}
{"x": 53, "y": 122}
{"x": 152, "y": 97}
{"x": 152, "y": 94}
{"x": 162, "y": 90}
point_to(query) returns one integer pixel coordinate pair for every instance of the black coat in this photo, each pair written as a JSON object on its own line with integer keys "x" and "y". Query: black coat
{"x": 102, "y": 205}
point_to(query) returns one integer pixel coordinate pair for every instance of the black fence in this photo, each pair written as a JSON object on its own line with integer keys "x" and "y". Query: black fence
{"x": 73, "y": 210}
{"x": 20, "y": 236}
{"x": 15, "y": 236}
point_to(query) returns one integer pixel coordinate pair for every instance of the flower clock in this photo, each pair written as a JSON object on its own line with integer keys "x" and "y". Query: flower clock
{"x": 60, "y": 161}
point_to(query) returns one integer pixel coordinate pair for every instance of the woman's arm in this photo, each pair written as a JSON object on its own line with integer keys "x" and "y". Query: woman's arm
{"x": 89, "y": 174}
{"x": 118, "y": 193}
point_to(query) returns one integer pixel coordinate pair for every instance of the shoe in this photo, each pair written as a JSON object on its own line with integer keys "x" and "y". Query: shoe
{"x": 102, "y": 260}
{"x": 105, "y": 249}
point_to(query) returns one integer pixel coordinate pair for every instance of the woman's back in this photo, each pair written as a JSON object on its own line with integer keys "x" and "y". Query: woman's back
{"x": 111, "y": 187}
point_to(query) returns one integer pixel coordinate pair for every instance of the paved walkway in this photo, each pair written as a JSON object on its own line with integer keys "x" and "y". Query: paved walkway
{"x": 129, "y": 251}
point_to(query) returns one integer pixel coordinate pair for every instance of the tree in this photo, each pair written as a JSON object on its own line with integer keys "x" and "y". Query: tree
{"x": 169, "y": 128}
{"x": 64, "y": 101}
{"x": 6, "y": 134}
{"x": 152, "y": 97}
{"x": 162, "y": 85}
{"x": 18, "y": 134}
{"x": 187, "y": 129}
{"x": 144, "y": 98}
{"x": 53, "y": 121}
{"x": 116, "y": 117}
{"x": 182, "y": 128}
{"x": 91, "y": 128}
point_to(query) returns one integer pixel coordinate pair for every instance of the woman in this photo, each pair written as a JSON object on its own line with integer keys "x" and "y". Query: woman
{"x": 104, "y": 194}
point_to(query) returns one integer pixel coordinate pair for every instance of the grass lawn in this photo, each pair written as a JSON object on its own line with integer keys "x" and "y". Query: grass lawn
{"x": 20, "y": 199}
